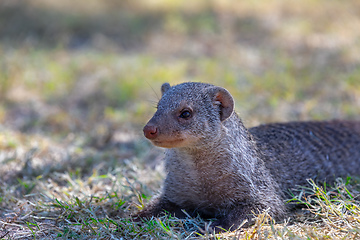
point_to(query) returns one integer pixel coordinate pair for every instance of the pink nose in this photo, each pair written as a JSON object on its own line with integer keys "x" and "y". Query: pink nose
{"x": 150, "y": 132}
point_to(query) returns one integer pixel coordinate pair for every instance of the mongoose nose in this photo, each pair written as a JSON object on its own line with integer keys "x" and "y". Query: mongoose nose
{"x": 150, "y": 132}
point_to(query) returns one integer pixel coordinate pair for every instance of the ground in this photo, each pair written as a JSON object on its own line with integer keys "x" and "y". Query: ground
{"x": 78, "y": 81}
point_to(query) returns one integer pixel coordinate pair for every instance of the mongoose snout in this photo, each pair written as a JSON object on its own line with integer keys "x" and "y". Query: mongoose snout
{"x": 217, "y": 168}
{"x": 150, "y": 132}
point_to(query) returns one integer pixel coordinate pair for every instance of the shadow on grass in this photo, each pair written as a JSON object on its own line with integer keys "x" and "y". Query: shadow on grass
{"x": 126, "y": 24}
{"x": 45, "y": 26}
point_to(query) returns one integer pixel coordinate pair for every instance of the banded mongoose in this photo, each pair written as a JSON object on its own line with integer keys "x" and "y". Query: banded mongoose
{"x": 218, "y": 168}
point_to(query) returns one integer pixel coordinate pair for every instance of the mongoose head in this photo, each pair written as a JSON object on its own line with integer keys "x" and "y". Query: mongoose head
{"x": 188, "y": 115}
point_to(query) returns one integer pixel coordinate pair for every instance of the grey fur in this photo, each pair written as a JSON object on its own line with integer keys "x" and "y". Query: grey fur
{"x": 219, "y": 169}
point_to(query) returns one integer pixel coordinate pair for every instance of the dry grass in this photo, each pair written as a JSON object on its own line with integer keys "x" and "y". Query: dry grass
{"x": 68, "y": 202}
{"x": 78, "y": 81}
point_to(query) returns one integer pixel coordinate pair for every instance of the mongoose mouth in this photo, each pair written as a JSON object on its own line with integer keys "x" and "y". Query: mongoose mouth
{"x": 168, "y": 143}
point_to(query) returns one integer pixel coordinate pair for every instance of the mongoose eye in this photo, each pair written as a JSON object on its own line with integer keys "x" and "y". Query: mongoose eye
{"x": 185, "y": 114}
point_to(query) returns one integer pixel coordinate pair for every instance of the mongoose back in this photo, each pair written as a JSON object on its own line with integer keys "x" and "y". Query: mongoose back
{"x": 218, "y": 168}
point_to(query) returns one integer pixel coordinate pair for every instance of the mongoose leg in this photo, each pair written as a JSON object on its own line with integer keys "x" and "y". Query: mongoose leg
{"x": 238, "y": 216}
{"x": 158, "y": 207}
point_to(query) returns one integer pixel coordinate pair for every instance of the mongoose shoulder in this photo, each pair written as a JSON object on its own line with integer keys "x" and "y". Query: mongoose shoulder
{"x": 218, "y": 168}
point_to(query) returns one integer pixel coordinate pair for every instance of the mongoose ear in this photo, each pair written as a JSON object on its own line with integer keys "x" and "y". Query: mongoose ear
{"x": 164, "y": 88}
{"x": 223, "y": 99}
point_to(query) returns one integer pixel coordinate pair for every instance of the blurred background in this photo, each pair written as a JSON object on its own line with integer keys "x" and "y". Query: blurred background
{"x": 88, "y": 74}
{"x": 70, "y": 66}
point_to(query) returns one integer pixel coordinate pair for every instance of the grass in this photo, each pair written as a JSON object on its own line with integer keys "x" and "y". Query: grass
{"x": 78, "y": 82}
{"x": 72, "y": 212}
